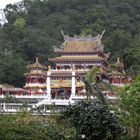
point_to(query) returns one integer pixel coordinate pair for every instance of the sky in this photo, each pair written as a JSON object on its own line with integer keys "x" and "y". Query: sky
{"x": 3, "y": 3}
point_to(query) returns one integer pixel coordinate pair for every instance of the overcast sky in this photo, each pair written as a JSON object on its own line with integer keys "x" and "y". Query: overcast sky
{"x": 3, "y": 3}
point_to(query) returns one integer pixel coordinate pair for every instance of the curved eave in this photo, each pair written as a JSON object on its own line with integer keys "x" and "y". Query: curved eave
{"x": 34, "y": 74}
{"x": 116, "y": 74}
{"x": 36, "y": 66}
{"x": 65, "y": 86}
{"x": 34, "y": 87}
{"x": 58, "y": 60}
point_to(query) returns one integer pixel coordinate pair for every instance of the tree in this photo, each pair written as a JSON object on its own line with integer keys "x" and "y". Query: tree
{"x": 25, "y": 126}
{"x": 19, "y": 23}
{"x": 95, "y": 85}
{"x": 93, "y": 121}
{"x": 33, "y": 27}
{"x": 129, "y": 111}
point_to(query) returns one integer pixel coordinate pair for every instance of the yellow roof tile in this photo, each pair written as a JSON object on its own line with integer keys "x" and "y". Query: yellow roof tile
{"x": 36, "y": 65}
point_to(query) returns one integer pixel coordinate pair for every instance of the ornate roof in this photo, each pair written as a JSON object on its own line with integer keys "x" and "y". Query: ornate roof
{"x": 36, "y": 65}
{"x": 78, "y": 58}
{"x": 119, "y": 64}
{"x": 116, "y": 73}
{"x": 81, "y": 44}
{"x": 36, "y": 72}
{"x": 116, "y": 69}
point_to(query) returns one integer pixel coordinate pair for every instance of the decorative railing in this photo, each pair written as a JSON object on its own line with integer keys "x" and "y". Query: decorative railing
{"x": 26, "y": 96}
{"x": 35, "y": 84}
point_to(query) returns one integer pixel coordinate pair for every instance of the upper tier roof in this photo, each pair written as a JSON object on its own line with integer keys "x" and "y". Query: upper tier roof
{"x": 78, "y": 44}
{"x": 36, "y": 65}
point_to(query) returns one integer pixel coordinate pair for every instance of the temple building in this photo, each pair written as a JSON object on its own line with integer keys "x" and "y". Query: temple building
{"x": 116, "y": 74}
{"x": 36, "y": 77}
{"x": 63, "y": 84}
{"x": 78, "y": 55}
{"x": 81, "y": 52}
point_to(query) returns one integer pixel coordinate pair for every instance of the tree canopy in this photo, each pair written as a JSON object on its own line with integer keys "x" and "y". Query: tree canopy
{"x": 93, "y": 121}
{"x": 34, "y": 27}
{"x": 129, "y": 111}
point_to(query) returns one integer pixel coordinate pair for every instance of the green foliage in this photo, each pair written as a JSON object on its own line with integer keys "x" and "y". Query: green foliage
{"x": 19, "y": 23}
{"x": 129, "y": 103}
{"x": 91, "y": 75}
{"x": 93, "y": 120}
{"x": 62, "y": 124}
{"x": 27, "y": 127}
{"x": 95, "y": 86}
{"x": 34, "y": 27}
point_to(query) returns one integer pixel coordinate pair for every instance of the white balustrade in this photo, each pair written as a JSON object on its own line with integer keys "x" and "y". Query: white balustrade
{"x": 32, "y": 96}
{"x": 35, "y": 84}
{"x": 118, "y": 84}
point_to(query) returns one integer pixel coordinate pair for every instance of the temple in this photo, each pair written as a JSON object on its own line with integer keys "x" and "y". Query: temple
{"x": 78, "y": 55}
{"x": 63, "y": 84}
{"x": 36, "y": 77}
{"x": 116, "y": 74}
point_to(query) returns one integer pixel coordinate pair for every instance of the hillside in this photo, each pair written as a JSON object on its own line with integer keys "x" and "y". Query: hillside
{"x": 34, "y": 27}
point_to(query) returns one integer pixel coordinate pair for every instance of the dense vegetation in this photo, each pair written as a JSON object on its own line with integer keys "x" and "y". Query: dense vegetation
{"x": 34, "y": 27}
{"x": 129, "y": 110}
{"x": 88, "y": 120}
{"x": 24, "y": 126}
{"x": 92, "y": 121}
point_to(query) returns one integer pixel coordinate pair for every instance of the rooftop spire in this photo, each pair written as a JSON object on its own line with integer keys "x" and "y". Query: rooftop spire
{"x": 36, "y": 64}
{"x": 118, "y": 59}
{"x": 36, "y": 60}
{"x": 118, "y": 63}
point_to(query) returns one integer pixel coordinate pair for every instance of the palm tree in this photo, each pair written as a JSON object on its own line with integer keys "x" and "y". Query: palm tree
{"x": 93, "y": 86}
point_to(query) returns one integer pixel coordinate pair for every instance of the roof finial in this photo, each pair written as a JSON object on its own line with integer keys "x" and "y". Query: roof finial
{"x": 118, "y": 63}
{"x": 49, "y": 68}
{"x": 65, "y": 36}
{"x": 36, "y": 59}
{"x": 118, "y": 59}
{"x": 62, "y": 33}
{"x": 102, "y": 34}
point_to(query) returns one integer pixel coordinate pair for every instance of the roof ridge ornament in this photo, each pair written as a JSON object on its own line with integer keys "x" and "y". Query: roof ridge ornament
{"x": 99, "y": 37}
{"x": 36, "y": 60}
{"x": 62, "y": 33}
{"x": 49, "y": 67}
{"x": 119, "y": 63}
{"x": 103, "y": 32}
{"x": 82, "y": 38}
{"x": 65, "y": 36}
{"x": 118, "y": 59}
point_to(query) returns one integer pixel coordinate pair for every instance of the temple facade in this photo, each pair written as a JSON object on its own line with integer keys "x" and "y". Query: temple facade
{"x": 78, "y": 55}
{"x": 35, "y": 77}
{"x": 116, "y": 74}
{"x": 63, "y": 84}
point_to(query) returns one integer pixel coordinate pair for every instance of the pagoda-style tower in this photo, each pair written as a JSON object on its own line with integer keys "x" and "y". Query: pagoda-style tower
{"x": 36, "y": 77}
{"x": 117, "y": 76}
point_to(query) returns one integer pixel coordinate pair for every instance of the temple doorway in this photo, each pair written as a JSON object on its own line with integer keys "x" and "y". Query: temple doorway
{"x": 61, "y": 93}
